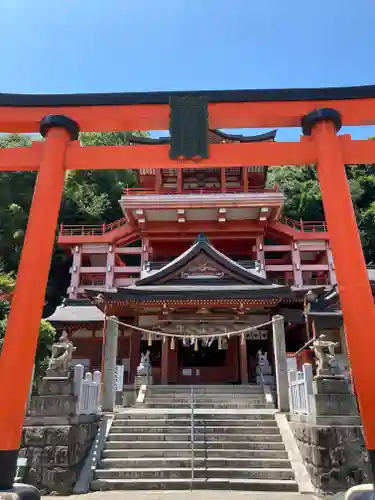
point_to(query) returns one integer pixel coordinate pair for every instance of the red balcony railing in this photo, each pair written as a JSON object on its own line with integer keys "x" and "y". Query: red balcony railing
{"x": 305, "y": 226}
{"x": 317, "y": 281}
{"x": 229, "y": 189}
{"x": 90, "y": 230}
{"x": 92, "y": 281}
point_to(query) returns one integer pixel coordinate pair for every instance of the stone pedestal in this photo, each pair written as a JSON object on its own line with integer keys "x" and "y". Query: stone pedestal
{"x": 331, "y": 439}
{"x": 264, "y": 368}
{"x": 55, "y": 397}
{"x": 55, "y": 440}
{"x": 334, "y": 402}
{"x": 142, "y": 380}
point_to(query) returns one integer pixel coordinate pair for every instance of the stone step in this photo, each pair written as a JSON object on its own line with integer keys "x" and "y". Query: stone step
{"x": 186, "y": 484}
{"x": 198, "y": 429}
{"x": 171, "y": 404}
{"x": 176, "y": 402}
{"x": 162, "y": 451}
{"x": 205, "y": 395}
{"x": 198, "y": 445}
{"x": 185, "y": 462}
{"x": 206, "y": 387}
{"x": 199, "y": 473}
{"x": 202, "y": 389}
{"x": 207, "y": 437}
{"x": 198, "y": 397}
{"x": 206, "y": 415}
{"x": 179, "y": 422}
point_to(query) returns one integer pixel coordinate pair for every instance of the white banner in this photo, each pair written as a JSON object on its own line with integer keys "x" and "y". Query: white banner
{"x": 119, "y": 378}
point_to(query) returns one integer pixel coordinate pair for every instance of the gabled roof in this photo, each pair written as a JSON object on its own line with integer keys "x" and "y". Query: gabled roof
{"x": 214, "y": 136}
{"x": 202, "y": 246}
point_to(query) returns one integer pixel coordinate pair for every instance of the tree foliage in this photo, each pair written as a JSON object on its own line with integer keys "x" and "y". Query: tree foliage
{"x": 47, "y": 332}
{"x": 304, "y": 201}
{"x": 88, "y": 198}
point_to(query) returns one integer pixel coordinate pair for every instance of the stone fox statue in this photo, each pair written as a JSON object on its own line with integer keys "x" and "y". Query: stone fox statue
{"x": 325, "y": 355}
{"x": 61, "y": 356}
{"x": 144, "y": 365}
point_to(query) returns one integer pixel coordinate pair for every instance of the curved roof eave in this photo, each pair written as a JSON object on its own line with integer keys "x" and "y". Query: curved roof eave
{"x": 267, "y": 136}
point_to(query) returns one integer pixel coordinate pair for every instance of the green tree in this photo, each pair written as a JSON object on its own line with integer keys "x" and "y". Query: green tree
{"x": 47, "y": 332}
{"x": 16, "y": 189}
{"x": 303, "y": 197}
{"x": 89, "y": 197}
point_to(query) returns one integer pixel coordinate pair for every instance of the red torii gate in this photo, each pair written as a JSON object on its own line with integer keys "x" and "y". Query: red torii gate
{"x": 320, "y": 112}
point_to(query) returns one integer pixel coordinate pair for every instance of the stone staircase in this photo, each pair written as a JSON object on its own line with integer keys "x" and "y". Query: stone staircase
{"x": 206, "y": 397}
{"x": 237, "y": 443}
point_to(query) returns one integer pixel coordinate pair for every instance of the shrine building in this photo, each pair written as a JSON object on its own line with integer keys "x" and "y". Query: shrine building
{"x": 199, "y": 252}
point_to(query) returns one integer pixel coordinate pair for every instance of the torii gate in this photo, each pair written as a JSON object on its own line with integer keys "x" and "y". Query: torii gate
{"x": 188, "y": 115}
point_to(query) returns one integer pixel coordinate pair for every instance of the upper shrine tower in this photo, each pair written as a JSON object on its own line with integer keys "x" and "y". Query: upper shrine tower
{"x": 233, "y": 207}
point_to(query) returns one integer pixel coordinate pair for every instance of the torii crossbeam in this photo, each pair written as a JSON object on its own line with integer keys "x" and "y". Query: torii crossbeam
{"x": 59, "y": 118}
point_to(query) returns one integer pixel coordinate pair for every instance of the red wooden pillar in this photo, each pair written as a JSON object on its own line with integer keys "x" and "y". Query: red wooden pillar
{"x": 231, "y": 362}
{"x": 159, "y": 180}
{"x": 164, "y": 361}
{"x": 20, "y": 342}
{"x": 244, "y": 373}
{"x": 173, "y": 363}
{"x": 356, "y": 298}
{"x": 245, "y": 178}
{"x": 179, "y": 181}
{"x": 223, "y": 180}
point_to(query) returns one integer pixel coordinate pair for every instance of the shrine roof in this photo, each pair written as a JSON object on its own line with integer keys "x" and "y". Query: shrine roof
{"x": 214, "y": 136}
{"x": 202, "y": 247}
{"x": 76, "y": 311}
{"x": 192, "y": 293}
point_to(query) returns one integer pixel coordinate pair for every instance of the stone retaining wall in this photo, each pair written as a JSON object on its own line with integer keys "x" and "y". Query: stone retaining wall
{"x": 55, "y": 449}
{"x": 335, "y": 456}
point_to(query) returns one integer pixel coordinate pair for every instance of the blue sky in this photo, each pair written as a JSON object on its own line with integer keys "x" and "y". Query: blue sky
{"x": 65, "y": 46}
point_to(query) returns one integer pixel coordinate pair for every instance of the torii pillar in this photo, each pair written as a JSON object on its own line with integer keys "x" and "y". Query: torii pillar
{"x": 21, "y": 338}
{"x": 355, "y": 293}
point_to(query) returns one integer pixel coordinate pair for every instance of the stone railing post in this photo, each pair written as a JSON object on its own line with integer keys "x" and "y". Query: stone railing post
{"x": 281, "y": 373}
{"x": 78, "y": 379}
{"x": 110, "y": 355}
{"x": 308, "y": 385}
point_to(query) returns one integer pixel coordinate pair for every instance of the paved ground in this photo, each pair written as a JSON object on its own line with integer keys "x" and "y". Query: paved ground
{"x": 190, "y": 495}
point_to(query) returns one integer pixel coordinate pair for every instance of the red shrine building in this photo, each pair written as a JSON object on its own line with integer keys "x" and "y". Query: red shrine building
{"x": 199, "y": 252}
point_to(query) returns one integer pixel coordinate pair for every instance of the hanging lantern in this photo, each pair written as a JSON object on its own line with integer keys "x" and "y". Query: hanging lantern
{"x": 149, "y": 339}
{"x": 196, "y": 346}
{"x": 173, "y": 344}
{"x": 220, "y": 343}
{"x": 243, "y": 339}
{"x": 164, "y": 339}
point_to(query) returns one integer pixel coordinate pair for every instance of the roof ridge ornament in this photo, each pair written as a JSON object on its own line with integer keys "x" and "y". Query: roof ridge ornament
{"x": 202, "y": 238}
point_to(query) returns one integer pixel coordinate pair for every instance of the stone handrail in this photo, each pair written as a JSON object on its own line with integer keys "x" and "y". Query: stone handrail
{"x": 87, "y": 390}
{"x": 300, "y": 389}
